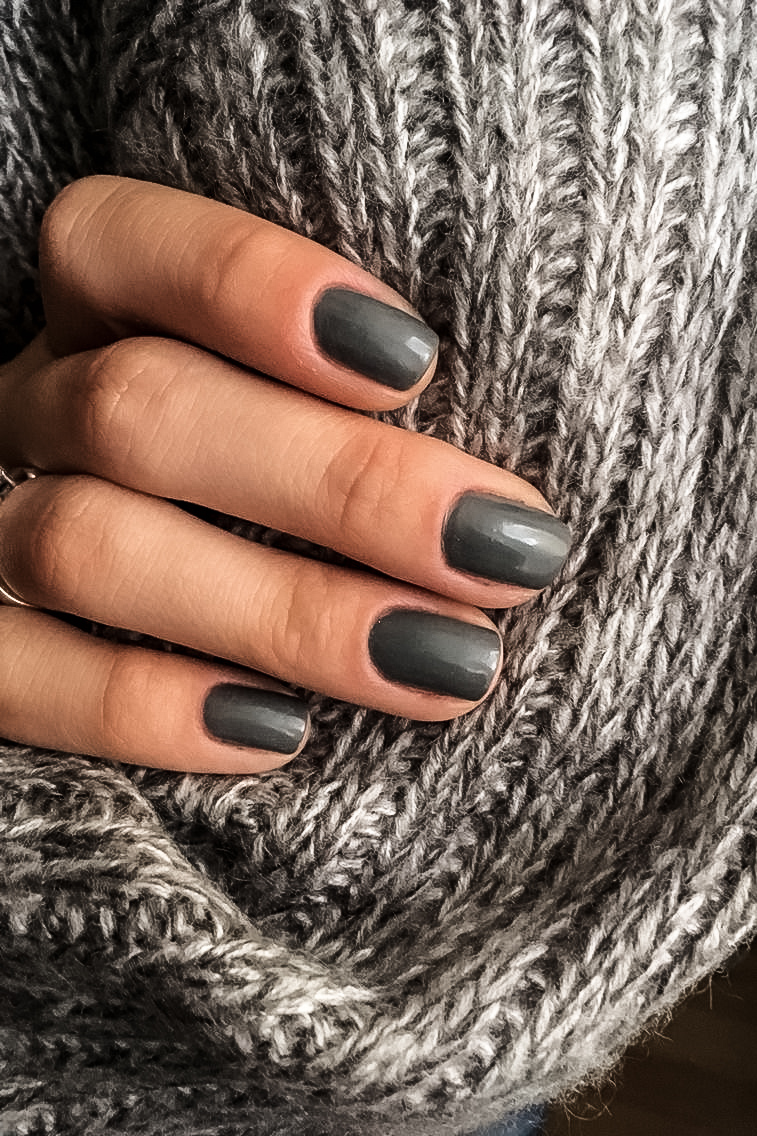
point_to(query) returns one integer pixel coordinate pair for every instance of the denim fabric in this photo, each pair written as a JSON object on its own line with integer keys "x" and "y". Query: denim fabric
{"x": 528, "y": 1123}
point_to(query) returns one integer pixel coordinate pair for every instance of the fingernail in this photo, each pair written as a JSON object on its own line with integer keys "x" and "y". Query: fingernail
{"x": 435, "y": 653}
{"x": 260, "y": 719}
{"x": 513, "y": 544}
{"x": 381, "y": 342}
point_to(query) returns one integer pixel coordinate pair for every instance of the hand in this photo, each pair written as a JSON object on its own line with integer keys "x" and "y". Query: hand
{"x": 165, "y": 311}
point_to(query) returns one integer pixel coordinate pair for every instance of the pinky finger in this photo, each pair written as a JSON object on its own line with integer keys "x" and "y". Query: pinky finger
{"x": 60, "y": 688}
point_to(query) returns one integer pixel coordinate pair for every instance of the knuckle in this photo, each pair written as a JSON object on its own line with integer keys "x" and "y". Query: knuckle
{"x": 303, "y": 607}
{"x": 126, "y": 685}
{"x": 13, "y": 640}
{"x": 106, "y": 402}
{"x": 17, "y": 677}
{"x": 223, "y": 279}
{"x": 63, "y": 214}
{"x": 54, "y": 543}
{"x": 361, "y": 480}
{"x": 59, "y": 219}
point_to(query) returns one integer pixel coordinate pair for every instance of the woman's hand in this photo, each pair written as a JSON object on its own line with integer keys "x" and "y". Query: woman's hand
{"x": 163, "y": 309}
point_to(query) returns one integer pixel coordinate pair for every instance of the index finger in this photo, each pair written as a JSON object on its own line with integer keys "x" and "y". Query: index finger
{"x": 120, "y": 257}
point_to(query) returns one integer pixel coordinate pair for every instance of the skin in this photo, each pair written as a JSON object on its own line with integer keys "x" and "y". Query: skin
{"x": 162, "y": 307}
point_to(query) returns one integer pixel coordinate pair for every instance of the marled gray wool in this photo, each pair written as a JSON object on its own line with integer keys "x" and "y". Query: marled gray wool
{"x": 416, "y": 927}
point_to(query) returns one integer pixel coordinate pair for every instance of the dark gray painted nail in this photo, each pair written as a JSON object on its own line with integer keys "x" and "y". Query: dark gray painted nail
{"x": 435, "y": 653}
{"x": 513, "y": 544}
{"x": 261, "y": 719}
{"x": 381, "y": 342}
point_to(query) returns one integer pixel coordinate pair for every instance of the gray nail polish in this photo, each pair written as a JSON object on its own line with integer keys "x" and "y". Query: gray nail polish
{"x": 260, "y": 719}
{"x": 381, "y": 342}
{"x": 512, "y": 544}
{"x": 435, "y": 653}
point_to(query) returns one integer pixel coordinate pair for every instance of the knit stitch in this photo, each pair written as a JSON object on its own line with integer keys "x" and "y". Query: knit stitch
{"x": 417, "y": 927}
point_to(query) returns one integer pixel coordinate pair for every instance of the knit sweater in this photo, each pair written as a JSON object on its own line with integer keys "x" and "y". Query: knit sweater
{"x": 414, "y": 928}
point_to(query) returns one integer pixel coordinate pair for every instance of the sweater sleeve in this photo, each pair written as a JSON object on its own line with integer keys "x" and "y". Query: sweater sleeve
{"x": 417, "y": 928}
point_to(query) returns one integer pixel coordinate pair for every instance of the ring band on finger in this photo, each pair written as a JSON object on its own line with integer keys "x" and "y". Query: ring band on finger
{"x": 10, "y": 480}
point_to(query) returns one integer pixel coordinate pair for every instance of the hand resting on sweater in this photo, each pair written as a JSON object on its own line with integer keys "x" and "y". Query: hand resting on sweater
{"x": 194, "y": 353}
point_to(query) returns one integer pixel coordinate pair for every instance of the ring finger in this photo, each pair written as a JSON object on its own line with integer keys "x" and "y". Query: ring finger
{"x": 82, "y": 545}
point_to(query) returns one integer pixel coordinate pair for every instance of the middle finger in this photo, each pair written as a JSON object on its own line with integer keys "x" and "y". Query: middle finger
{"x": 166, "y": 418}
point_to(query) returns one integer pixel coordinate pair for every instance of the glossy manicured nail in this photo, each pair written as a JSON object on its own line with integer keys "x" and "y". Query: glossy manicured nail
{"x": 381, "y": 342}
{"x": 260, "y": 719}
{"x": 512, "y": 544}
{"x": 435, "y": 653}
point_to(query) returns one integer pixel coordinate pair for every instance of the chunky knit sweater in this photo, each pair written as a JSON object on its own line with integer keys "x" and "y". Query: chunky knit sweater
{"x": 416, "y": 928}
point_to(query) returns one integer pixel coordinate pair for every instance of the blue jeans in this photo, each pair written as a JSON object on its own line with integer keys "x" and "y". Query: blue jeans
{"x": 528, "y": 1123}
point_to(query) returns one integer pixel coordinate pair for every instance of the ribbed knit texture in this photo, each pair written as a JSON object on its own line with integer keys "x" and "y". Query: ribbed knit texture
{"x": 416, "y": 928}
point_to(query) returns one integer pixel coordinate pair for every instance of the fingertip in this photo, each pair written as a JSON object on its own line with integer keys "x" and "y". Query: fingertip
{"x": 256, "y": 718}
{"x": 377, "y": 340}
{"x": 437, "y": 654}
{"x": 395, "y": 400}
{"x": 504, "y": 541}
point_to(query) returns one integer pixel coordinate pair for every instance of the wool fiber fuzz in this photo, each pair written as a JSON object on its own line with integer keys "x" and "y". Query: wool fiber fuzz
{"x": 416, "y": 928}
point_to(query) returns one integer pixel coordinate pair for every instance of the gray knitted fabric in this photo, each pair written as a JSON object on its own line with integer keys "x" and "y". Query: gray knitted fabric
{"x": 416, "y": 928}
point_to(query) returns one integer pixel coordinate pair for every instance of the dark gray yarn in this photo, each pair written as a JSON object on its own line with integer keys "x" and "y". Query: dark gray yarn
{"x": 415, "y": 928}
